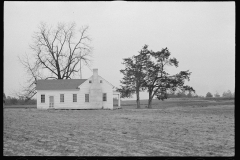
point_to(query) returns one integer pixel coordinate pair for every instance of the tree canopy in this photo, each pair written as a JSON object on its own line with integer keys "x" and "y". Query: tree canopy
{"x": 227, "y": 94}
{"x": 133, "y": 75}
{"x": 209, "y": 94}
{"x": 150, "y": 74}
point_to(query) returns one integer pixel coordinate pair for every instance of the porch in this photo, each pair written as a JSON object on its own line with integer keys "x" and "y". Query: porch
{"x": 117, "y": 94}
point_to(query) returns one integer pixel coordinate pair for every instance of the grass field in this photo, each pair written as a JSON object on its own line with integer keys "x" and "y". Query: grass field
{"x": 179, "y": 102}
{"x": 171, "y": 128}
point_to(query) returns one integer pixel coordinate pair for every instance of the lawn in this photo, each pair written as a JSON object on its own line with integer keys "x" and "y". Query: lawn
{"x": 172, "y": 102}
{"x": 170, "y": 130}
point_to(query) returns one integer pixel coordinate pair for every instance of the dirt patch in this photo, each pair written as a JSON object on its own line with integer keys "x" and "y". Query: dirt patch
{"x": 175, "y": 131}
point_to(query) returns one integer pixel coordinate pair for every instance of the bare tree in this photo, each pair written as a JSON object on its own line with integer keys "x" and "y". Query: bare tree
{"x": 56, "y": 53}
{"x": 33, "y": 75}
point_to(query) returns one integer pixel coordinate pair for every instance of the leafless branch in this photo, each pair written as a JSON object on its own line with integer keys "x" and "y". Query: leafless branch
{"x": 56, "y": 52}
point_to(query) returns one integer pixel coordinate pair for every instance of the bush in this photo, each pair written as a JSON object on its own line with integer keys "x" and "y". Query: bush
{"x": 209, "y": 94}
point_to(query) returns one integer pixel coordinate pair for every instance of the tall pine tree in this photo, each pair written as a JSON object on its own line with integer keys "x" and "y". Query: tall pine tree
{"x": 134, "y": 75}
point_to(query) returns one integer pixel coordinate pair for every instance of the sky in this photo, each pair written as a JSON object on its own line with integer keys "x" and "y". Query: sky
{"x": 200, "y": 35}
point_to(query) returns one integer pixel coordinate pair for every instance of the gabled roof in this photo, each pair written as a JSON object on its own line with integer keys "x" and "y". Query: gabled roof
{"x": 108, "y": 82}
{"x": 59, "y": 84}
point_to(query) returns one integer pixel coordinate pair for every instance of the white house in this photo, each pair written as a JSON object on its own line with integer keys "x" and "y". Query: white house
{"x": 92, "y": 93}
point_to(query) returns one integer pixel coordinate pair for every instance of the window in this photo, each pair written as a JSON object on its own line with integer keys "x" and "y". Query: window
{"x": 104, "y": 96}
{"x": 86, "y": 97}
{"x": 90, "y": 81}
{"x": 100, "y": 81}
{"x": 61, "y": 97}
{"x": 74, "y": 97}
{"x": 42, "y": 98}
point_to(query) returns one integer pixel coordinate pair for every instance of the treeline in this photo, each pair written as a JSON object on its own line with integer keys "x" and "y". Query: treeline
{"x": 182, "y": 95}
{"x": 227, "y": 94}
{"x": 18, "y": 101}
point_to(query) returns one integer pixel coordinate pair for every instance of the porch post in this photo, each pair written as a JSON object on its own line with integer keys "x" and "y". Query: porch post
{"x": 119, "y": 100}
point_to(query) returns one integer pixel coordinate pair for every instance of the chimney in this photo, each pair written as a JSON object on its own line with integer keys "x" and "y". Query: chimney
{"x": 95, "y": 75}
{"x": 95, "y": 91}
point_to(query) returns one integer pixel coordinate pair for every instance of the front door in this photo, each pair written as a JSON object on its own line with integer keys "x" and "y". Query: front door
{"x": 51, "y": 101}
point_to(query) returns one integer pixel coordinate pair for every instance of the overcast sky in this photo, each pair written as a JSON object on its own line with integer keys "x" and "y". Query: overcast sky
{"x": 201, "y": 35}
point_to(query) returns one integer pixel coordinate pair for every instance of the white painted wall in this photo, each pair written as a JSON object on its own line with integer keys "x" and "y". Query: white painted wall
{"x": 68, "y": 97}
{"x": 107, "y": 88}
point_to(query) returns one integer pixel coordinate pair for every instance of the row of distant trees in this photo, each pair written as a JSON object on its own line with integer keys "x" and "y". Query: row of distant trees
{"x": 182, "y": 95}
{"x": 18, "y": 101}
{"x": 227, "y": 94}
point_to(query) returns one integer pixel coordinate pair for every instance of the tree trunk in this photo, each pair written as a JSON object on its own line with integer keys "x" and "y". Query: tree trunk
{"x": 138, "y": 99}
{"x": 150, "y": 103}
{"x": 150, "y": 100}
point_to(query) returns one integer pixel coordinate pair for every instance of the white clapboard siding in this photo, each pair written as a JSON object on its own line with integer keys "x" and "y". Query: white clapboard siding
{"x": 107, "y": 88}
{"x": 68, "y": 99}
{"x": 68, "y": 96}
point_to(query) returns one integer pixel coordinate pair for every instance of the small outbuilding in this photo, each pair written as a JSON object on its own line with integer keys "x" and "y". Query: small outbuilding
{"x": 92, "y": 93}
